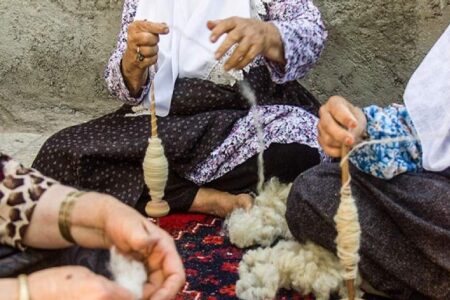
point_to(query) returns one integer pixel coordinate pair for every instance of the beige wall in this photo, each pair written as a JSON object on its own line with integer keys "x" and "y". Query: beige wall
{"x": 53, "y": 52}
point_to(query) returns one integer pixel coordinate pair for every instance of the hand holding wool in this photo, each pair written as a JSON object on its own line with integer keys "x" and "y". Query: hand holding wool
{"x": 135, "y": 236}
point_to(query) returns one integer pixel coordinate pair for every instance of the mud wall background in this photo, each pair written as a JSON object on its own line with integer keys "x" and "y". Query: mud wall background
{"x": 53, "y": 53}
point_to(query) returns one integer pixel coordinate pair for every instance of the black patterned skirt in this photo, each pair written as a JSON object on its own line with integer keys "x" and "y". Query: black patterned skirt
{"x": 106, "y": 154}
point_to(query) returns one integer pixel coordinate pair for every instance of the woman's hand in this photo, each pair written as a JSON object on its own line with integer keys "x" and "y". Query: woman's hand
{"x": 101, "y": 221}
{"x": 141, "y": 52}
{"x": 253, "y": 38}
{"x": 340, "y": 123}
{"x": 136, "y": 236}
{"x": 73, "y": 283}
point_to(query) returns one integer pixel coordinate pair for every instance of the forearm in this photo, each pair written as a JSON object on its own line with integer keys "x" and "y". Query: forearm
{"x": 135, "y": 78}
{"x": 86, "y": 220}
{"x": 9, "y": 289}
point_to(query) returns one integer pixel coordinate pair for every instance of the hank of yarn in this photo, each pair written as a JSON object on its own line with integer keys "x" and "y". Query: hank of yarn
{"x": 348, "y": 233}
{"x": 348, "y": 229}
{"x": 156, "y": 168}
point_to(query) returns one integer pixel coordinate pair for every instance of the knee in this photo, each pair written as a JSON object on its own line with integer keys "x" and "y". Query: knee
{"x": 297, "y": 209}
{"x": 312, "y": 203}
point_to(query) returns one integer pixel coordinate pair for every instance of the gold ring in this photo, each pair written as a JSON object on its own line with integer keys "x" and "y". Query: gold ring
{"x": 139, "y": 56}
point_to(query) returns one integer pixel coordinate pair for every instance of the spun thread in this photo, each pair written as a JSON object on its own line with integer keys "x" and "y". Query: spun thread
{"x": 249, "y": 94}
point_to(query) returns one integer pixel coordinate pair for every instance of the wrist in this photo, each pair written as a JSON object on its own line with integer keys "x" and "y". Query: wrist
{"x": 134, "y": 76}
{"x": 275, "y": 47}
{"x": 88, "y": 219}
{"x": 89, "y": 210}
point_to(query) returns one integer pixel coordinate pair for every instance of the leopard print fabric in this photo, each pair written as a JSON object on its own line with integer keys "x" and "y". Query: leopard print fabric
{"x": 20, "y": 190}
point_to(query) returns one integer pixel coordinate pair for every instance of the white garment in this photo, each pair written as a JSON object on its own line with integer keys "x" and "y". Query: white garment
{"x": 427, "y": 98}
{"x": 178, "y": 55}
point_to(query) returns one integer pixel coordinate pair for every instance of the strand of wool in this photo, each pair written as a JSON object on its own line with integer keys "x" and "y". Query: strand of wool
{"x": 128, "y": 273}
{"x": 249, "y": 94}
{"x": 378, "y": 142}
{"x": 156, "y": 168}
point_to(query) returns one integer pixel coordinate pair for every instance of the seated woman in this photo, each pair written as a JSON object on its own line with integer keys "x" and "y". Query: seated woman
{"x": 30, "y": 204}
{"x": 191, "y": 67}
{"x": 402, "y": 188}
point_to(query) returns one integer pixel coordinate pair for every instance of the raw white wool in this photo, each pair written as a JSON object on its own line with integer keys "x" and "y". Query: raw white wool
{"x": 265, "y": 221}
{"x": 128, "y": 273}
{"x": 306, "y": 268}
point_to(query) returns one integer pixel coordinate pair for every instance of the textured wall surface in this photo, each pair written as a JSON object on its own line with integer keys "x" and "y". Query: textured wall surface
{"x": 53, "y": 52}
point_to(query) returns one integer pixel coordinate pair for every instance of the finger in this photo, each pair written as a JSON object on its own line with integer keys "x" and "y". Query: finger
{"x": 142, "y": 39}
{"x": 144, "y": 238}
{"x": 251, "y": 55}
{"x": 329, "y": 126}
{"x": 211, "y": 24}
{"x": 151, "y": 27}
{"x": 221, "y": 27}
{"x": 156, "y": 278}
{"x": 147, "y": 51}
{"x": 327, "y": 140}
{"x": 340, "y": 109}
{"x": 232, "y": 38}
{"x": 170, "y": 288}
{"x": 147, "y": 62}
{"x": 238, "y": 54}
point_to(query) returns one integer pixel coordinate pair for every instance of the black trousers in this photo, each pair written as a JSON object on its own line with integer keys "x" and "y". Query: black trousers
{"x": 284, "y": 161}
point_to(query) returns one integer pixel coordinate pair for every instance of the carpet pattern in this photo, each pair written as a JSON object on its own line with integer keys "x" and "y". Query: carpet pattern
{"x": 211, "y": 261}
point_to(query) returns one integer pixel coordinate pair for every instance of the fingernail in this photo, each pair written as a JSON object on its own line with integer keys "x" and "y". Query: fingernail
{"x": 349, "y": 141}
{"x": 217, "y": 55}
{"x": 213, "y": 38}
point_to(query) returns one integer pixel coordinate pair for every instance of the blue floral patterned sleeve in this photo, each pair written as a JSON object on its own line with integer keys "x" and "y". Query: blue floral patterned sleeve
{"x": 389, "y": 159}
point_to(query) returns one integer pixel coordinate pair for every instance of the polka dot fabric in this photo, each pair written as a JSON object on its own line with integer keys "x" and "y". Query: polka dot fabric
{"x": 106, "y": 154}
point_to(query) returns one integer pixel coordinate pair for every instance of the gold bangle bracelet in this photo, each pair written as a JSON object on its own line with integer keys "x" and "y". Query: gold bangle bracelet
{"x": 24, "y": 292}
{"x": 65, "y": 212}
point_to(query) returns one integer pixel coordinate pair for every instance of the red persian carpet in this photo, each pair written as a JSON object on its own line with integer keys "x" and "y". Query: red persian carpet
{"x": 211, "y": 261}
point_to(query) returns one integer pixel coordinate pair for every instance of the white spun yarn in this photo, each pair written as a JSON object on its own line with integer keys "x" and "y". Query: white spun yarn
{"x": 156, "y": 168}
{"x": 249, "y": 94}
{"x": 348, "y": 233}
{"x": 265, "y": 221}
{"x": 128, "y": 273}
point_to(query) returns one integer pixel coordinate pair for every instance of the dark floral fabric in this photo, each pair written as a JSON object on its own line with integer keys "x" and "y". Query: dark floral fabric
{"x": 106, "y": 154}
